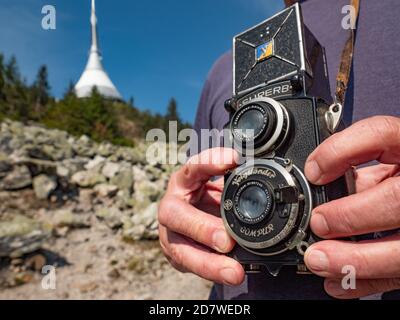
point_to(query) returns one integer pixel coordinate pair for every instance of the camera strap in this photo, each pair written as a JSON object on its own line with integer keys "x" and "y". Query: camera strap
{"x": 334, "y": 115}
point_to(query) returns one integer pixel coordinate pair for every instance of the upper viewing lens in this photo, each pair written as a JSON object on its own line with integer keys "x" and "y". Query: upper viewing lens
{"x": 252, "y": 119}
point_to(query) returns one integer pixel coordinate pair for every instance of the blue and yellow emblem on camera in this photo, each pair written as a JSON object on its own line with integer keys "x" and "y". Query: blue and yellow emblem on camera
{"x": 265, "y": 50}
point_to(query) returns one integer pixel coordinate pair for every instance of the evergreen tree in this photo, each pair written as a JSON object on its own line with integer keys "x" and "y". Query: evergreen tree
{"x": 42, "y": 86}
{"x": 14, "y": 102}
{"x": 40, "y": 92}
{"x": 172, "y": 112}
{"x": 70, "y": 91}
{"x": 12, "y": 71}
{"x": 173, "y": 115}
{"x": 2, "y": 75}
{"x": 131, "y": 102}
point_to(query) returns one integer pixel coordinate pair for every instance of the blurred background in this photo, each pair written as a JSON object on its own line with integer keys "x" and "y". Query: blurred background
{"x": 76, "y": 191}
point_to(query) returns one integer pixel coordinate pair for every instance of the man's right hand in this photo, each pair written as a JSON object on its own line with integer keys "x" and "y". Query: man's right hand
{"x": 192, "y": 234}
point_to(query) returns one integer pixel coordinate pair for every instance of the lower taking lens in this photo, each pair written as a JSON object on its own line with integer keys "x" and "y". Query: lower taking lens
{"x": 253, "y": 202}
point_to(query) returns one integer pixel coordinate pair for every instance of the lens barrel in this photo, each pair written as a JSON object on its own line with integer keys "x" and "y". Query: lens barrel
{"x": 266, "y": 203}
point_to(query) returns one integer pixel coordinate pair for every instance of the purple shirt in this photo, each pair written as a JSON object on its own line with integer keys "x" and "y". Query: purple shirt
{"x": 373, "y": 90}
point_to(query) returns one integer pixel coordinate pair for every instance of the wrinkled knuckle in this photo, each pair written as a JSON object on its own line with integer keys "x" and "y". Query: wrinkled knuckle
{"x": 203, "y": 269}
{"x": 199, "y": 230}
{"x": 361, "y": 262}
{"x": 329, "y": 149}
{"x": 393, "y": 283}
{"x": 176, "y": 256}
{"x": 342, "y": 221}
{"x": 393, "y": 193}
{"x": 175, "y": 265}
{"x": 391, "y": 126}
{"x": 187, "y": 169}
{"x": 163, "y": 245}
{"x": 395, "y": 253}
{"x": 163, "y": 240}
{"x": 334, "y": 147}
{"x": 385, "y": 127}
{"x": 375, "y": 286}
{"x": 166, "y": 210}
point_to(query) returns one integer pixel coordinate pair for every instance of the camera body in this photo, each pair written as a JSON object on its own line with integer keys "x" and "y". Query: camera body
{"x": 279, "y": 113}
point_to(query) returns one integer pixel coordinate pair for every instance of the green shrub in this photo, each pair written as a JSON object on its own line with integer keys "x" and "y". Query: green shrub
{"x": 101, "y": 119}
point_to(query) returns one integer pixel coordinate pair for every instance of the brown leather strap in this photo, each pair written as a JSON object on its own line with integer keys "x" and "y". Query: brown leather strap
{"x": 343, "y": 76}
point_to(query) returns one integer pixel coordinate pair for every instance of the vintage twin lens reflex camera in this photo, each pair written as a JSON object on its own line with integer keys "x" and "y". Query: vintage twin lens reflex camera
{"x": 281, "y": 92}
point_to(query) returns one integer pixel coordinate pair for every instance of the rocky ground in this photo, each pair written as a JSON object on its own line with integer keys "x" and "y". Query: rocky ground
{"x": 87, "y": 209}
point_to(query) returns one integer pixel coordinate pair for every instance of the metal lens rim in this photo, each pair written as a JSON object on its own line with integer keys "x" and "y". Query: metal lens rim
{"x": 248, "y": 245}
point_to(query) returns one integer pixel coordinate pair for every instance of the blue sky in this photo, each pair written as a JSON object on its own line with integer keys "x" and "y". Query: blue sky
{"x": 153, "y": 50}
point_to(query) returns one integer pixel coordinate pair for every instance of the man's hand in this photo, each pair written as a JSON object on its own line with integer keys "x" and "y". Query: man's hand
{"x": 375, "y": 207}
{"x": 192, "y": 234}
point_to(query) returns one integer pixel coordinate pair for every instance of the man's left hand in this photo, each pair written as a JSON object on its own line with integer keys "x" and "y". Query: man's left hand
{"x": 374, "y": 207}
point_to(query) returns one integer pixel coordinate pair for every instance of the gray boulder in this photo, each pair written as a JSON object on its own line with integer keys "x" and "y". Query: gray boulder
{"x": 132, "y": 155}
{"x": 20, "y": 236}
{"x": 147, "y": 216}
{"x": 58, "y": 151}
{"x": 32, "y": 150}
{"x": 112, "y": 217}
{"x": 106, "y": 149}
{"x": 106, "y": 190}
{"x": 143, "y": 225}
{"x": 43, "y": 186}
{"x": 69, "y": 167}
{"x": 85, "y": 203}
{"x": 5, "y": 165}
{"x": 123, "y": 179}
{"x": 84, "y": 147}
{"x": 66, "y": 218}
{"x": 110, "y": 169}
{"x": 87, "y": 179}
{"x": 19, "y": 178}
{"x": 147, "y": 190}
{"x": 95, "y": 164}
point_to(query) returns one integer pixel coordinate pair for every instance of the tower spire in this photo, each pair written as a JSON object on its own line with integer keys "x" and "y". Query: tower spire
{"x": 94, "y": 74}
{"x": 93, "y": 22}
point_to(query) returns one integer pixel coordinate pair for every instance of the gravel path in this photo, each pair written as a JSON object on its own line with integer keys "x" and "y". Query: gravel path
{"x": 96, "y": 264}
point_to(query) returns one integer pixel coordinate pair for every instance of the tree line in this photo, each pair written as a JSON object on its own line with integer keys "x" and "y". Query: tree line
{"x": 101, "y": 119}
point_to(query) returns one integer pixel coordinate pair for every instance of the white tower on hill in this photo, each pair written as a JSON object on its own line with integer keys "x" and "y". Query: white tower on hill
{"x": 94, "y": 74}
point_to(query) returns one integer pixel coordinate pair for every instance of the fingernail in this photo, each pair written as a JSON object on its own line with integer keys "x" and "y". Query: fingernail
{"x": 220, "y": 240}
{"x": 313, "y": 171}
{"x": 319, "y": 224}
{"x": 229, "y": 276}
{"x": 334, "y": 288}
{"x": 317, "y": 260}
